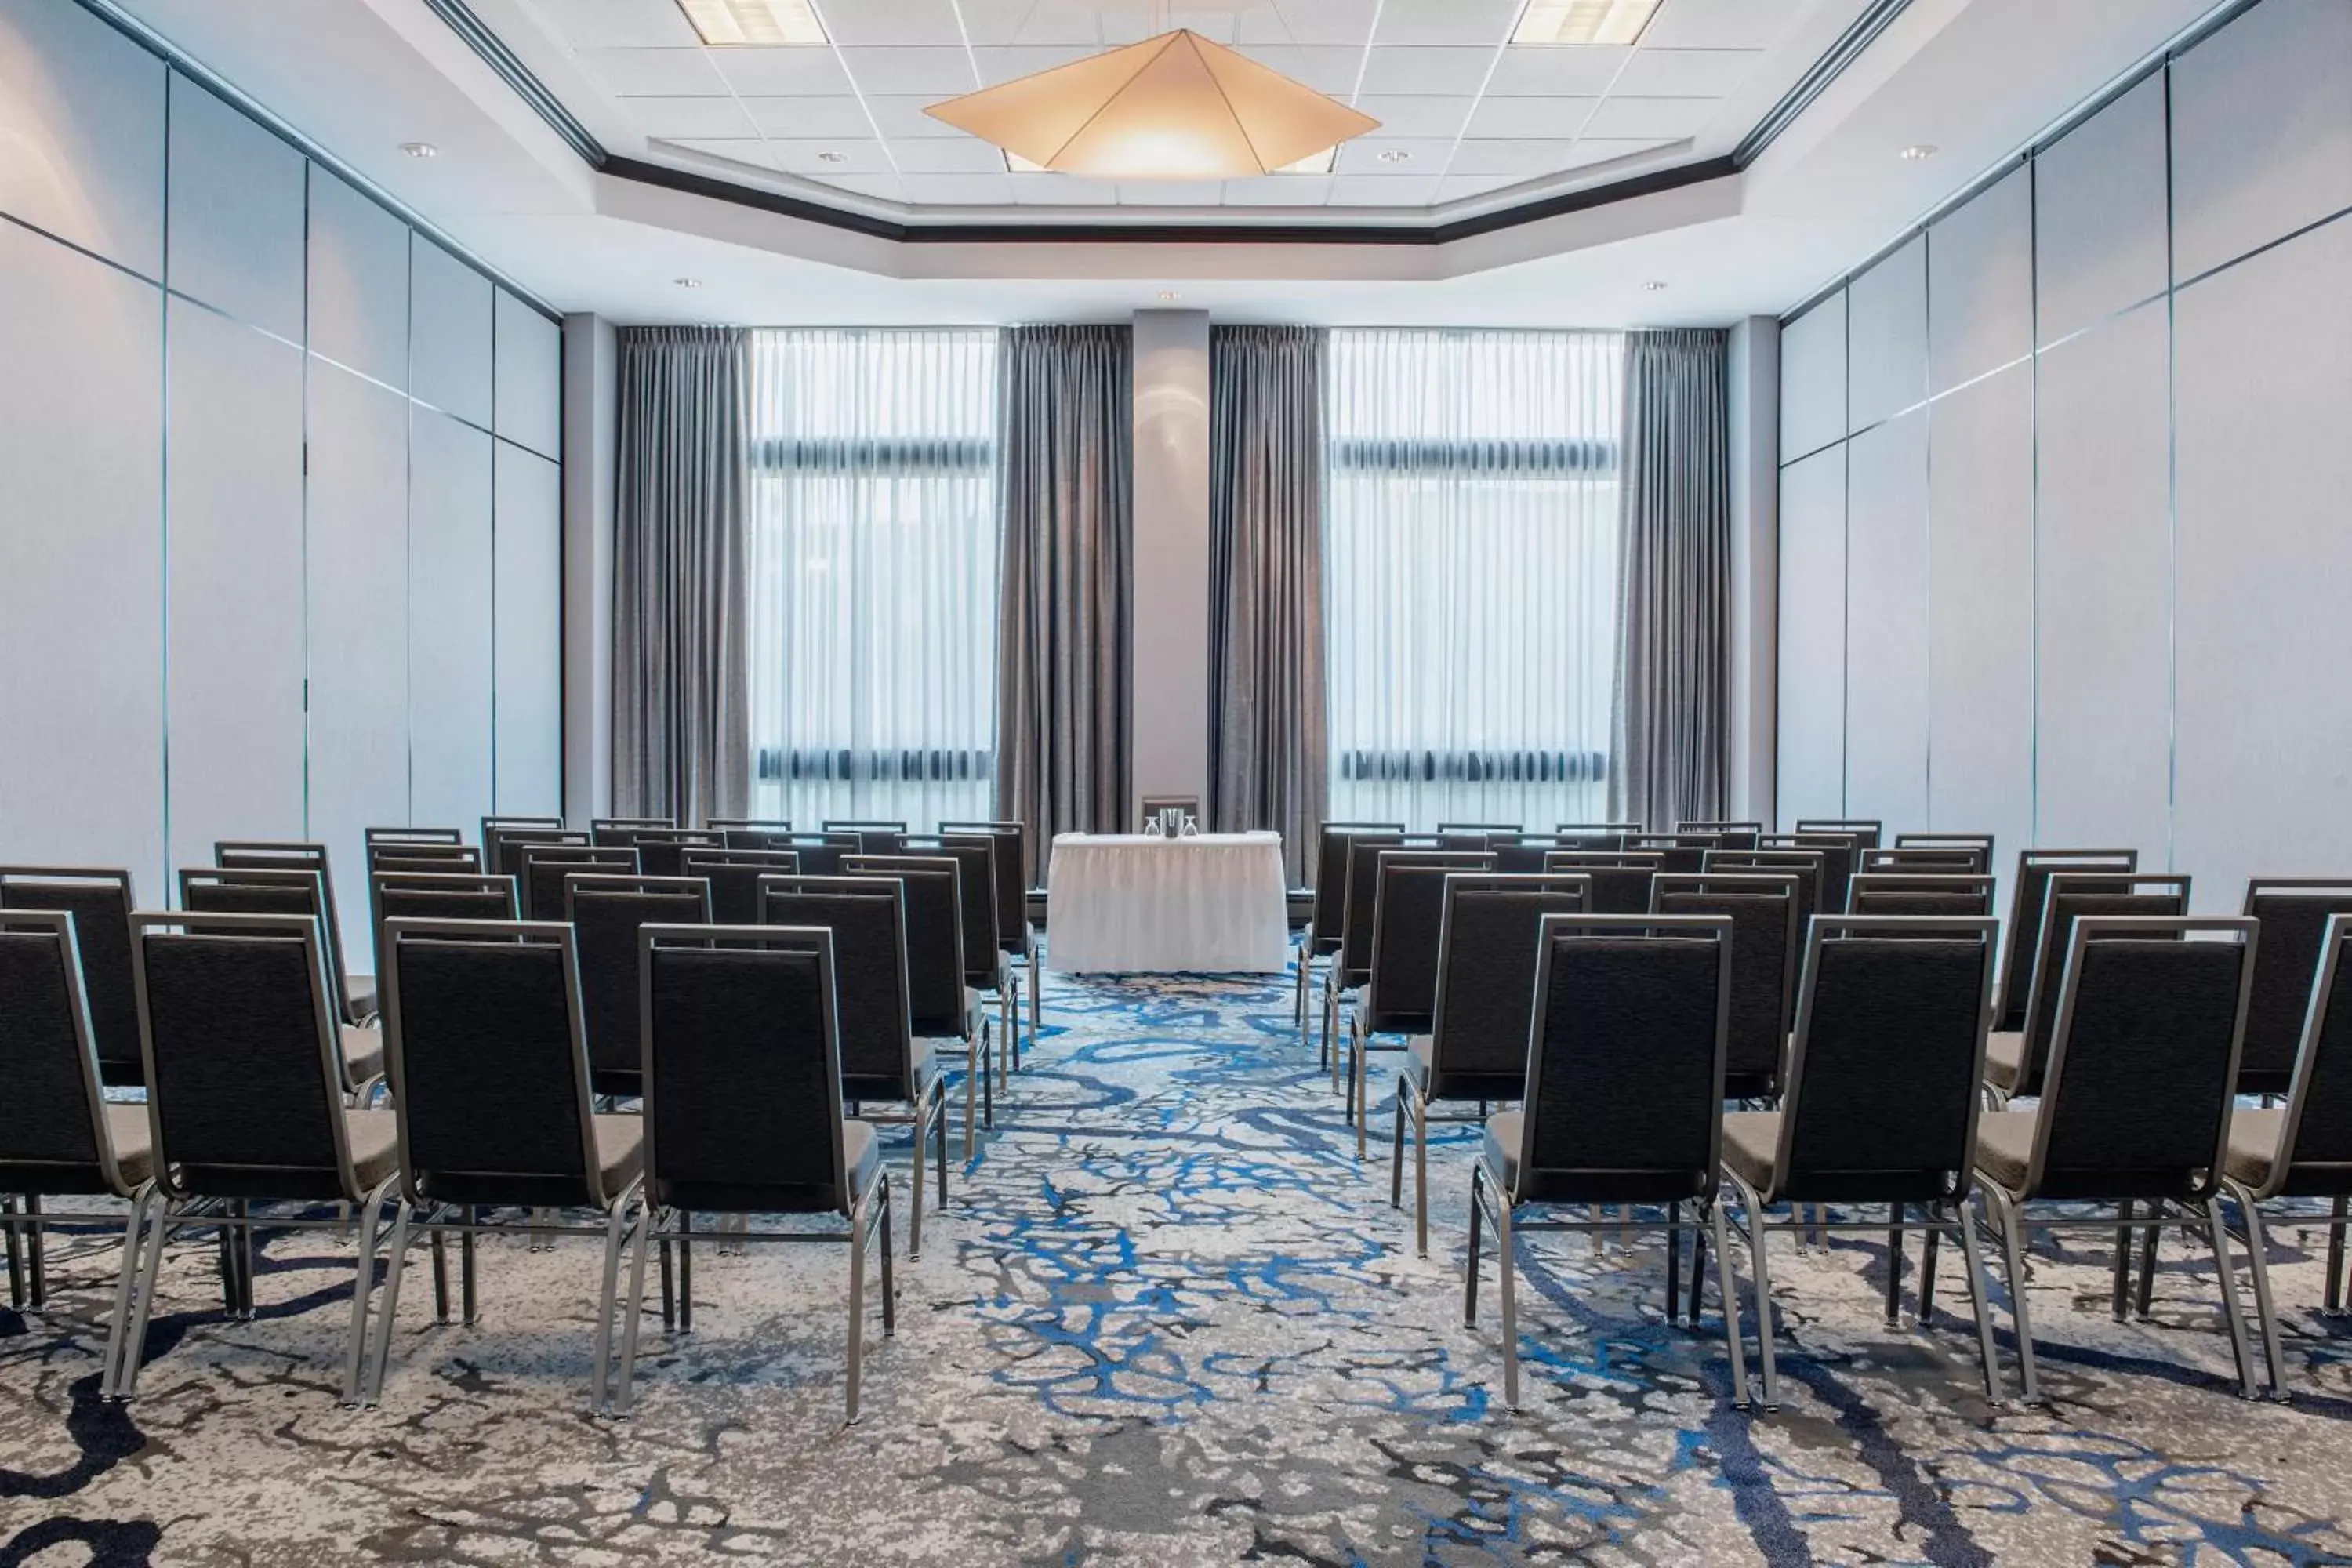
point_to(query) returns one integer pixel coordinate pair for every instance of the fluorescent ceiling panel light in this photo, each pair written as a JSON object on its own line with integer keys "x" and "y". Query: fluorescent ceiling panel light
{"x": 1583, "y": 21}
{"x": 1177, "y": 107}
{"x": 735, "y": 23}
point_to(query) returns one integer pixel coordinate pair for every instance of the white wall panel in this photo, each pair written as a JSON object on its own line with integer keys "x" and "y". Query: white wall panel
{"x": 530, "y": 611}
{"x": 530, "y": 377}
{"x": 236, "y": 213}
{"x": 1980, "y": 616}
{"x": 2103, "y": 671}
{"x": 449, "y": 637}
{"x": 81, "y": 132}
{"x": 1980, "y": 284}
{"x": 1886, "y": 623}
{"x": 450, "y": 334}
{"x": 2263, "y": 707}
{"x": 236, "y": 589}
{"x": 1810, "y": 777}
{"x": 81, "y": 708}
{"x": 1886, "y": 317}
{"x": 2262, "y": 131}
{"x": 1812, "y": 379}
{"x": 359, "y": 281}
{"x": 2099, "y": 214}
{"x": 358, "y": 576}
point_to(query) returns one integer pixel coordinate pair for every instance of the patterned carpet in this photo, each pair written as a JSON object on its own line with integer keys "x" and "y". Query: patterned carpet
{"x": 1168, "y": 1321}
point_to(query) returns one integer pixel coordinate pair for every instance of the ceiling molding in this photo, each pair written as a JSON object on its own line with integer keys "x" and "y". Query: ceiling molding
{"x": 480, "y": 37}
{"x": 1859, "y": 36}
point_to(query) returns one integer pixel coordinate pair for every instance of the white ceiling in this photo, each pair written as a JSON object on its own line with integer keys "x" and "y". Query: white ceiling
{"x": 1977, "y": 78}
{"x": 1464, "y": 114}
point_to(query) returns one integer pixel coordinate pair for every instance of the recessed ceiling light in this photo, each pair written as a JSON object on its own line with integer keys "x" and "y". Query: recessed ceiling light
{"x": 687, "y": 283}
{"x": 1395, "y": 155}
{"x": 1920, "y": 153}
{"x": 1171, "y": 294}
{"x": 1583, "y": 21}
{"x": 728, "y": 24}
{"x": 420, "y": 149}
{"x": 831, "y": 157}
{"x": 1654, "y": 285}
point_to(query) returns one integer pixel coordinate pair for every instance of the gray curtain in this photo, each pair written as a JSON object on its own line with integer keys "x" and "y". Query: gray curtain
{"x": 1065, "y": 406}
{"x": 681, "y": 700}
{"x": 1266, "y": 729}
{"x": 1674, "y": 659}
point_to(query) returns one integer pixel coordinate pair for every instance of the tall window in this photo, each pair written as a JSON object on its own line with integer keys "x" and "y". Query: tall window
{"x": 1470, "y": 575}
{"x": 873, "y": 562}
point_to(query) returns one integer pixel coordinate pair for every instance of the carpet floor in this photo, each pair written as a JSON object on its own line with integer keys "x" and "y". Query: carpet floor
{"x": 1167, "y": 1320}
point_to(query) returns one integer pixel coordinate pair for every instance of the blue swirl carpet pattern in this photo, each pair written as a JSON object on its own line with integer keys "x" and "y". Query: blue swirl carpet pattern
{"x": 1169, "y": 1320}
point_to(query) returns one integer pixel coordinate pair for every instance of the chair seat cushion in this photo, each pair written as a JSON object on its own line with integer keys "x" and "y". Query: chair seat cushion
{"x": 1501, "y": 1148}
{"x": 2005, "y": 1146}
{"x": 861, "y": 1156}
{"x": 362, "y": 1053}
{"x": 1751, "y": 1144}
{"x": 620, "y": 1151}
{"x": 2253, "y": 1146}
{"x": 374, "y": 1137}
{"x": 359, "y": 992}
{"x": 1419, "y": 1069}
{"x": 2004, "y": 1060}
{"x": 127, "y": 1130}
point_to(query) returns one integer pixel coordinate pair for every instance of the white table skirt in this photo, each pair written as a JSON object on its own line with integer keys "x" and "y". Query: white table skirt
{"x": 1212, "y": 903}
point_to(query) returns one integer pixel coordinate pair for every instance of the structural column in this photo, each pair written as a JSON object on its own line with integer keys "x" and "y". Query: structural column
{"x": 1169, "y": 622}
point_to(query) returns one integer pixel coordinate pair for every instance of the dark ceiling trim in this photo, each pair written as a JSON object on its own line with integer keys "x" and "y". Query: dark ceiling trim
{"x": 485, "y": 42}
{"x": 1859, "y": 36}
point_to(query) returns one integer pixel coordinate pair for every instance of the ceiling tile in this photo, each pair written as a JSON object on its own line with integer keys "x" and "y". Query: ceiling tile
{"x": 1600, "y": 150}
{"x": 1426, "y": 71}
{"x": 686, "y": 73}
{"x": 958, "y": 155}
{"x": 1522, "y": 158}
{"x": 616, "y": 23}
{"x": 1652, "y": 116}
{"x": 900, "y": 116}
{"x": 1068, "y": 23}
{"x": 683, "y": 117}
{"x": 1370, "y": 191}
{"x": 790, "y": 118}
{"x": 856, "y": 22}
{"x": 943, "y": 70}
{"x": 1686, "y": 73}
{"x": 1461, "y": 187}
{"x": 781, "y": 72}
{"x": 1417, "y": 117}
{"x": 1575, "y": 69}
{"x": 1279, "y": 191}
{"x": 1422, "y": 155}
{"x": 1520, "y": 117}
{"x": 1306, "y": 22}
{"x": 827, "y": 160}
{"x": 1486, "y": 21}
{"x": 735, "y": 151}
{"x": 1170, "y": 193}
{"x": 1329, "y": 68}
{"x": 1719, "y": 24}
{"x": 958, "y": 190}
{"x": 1061, "y": 189}
{"x": 1133, "y": 24}
{"x": 1002, "y": 65}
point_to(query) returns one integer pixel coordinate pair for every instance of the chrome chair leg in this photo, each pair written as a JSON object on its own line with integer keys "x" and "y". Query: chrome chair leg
{"x": 134, "y": 1245}
{"x": 2265, "y": 1311}
{"x": 1470, "y": 1265}
{"x": 1759, "y": 1273}
{"x": 1740, "y": 1391}
{"x": 364, "y": 1286}
{"x": 1419, "y": 1169}
{"x": 2012, "y": 1246}
{"x": 2217, "y": 1233}
{"x": 150, "y": 1269}
{"x": 373, "y": 1393}
{"x": 1507, "y": 1267}
{"x": 856, "y": 1300}
{"x": 1980, "y": 1298}
{"x": 634, "y": 1313}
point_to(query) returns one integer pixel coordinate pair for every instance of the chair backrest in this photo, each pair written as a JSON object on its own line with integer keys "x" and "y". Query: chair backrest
{"x": 375, "y": 836}
{"x": 53, "y": 1133}
{"x": 1486, "y": 945}
{"x": 1522, "y": 855}
{"x": 405, "y": 855}
{"x": 1765, "y": 939}
{"x": 734, "y": 875}
{"x": 748, "y": 824}
{"x": 545, "y": 865}
{"x": 872, "y": 837}
{"x": 502, "y": 844}
{"x": 2137, "y": 1100}
{"x": 2295, "y": 912}
{"x": 1408, "y": 912}
{"x": 1967, "y": 859}
{"x": 274, "y": 890}
{"x": 1362, "y": 892}
{"x": 488, "y": 1058}
{"x": 1476, "y": 835}
{"x": 2068, "y": 897}
{"x": 1619, "y": 880}
{"x": 1934, "y": 894}
{"x": 605, "y": 914}
{"x": 1881, "y": 1096}
{"x": 1838, "y": 852}
{"x": 437, "y": 896}
{"x": 1006, "y": 841}
{"x": 975, "y": 858}
{"x": 519, "y": 823}
{"x": 288, "y": 855}
{"x": 1681, "y": 853}
{"x": 871, "y": 1008}
{"x": 1732, "y": 835}
{"x": 238, "y": 1021}
{"x": 1331, "y": 842}
{"x": 2024, "y": 935}
{"x": 1624, "y": 1098}
{"x": 1865, "y": 831}
{"x": 661, "y": 851}
{"x": 101, "y": 901}
{"x": 2315, "y": 1153}
{"x": 743, "y": 1088}
{"x": 932, "y": 902}
{"x": 1983, "y": 841}
{"x": 1596, "y": 835}
{"x": 622, "y": 831}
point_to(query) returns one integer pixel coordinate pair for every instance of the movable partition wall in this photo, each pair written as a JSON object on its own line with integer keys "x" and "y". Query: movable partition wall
{"x": 279, "y": 550}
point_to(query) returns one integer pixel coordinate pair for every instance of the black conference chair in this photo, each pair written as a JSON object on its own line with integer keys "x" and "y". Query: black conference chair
{"x": 1015, "y": 937}
{"x": 2015, "y": 1061}
{"x": 301, "y": 894}
{"x": 1620, "y": 878}
{"x": 2023, "y": 933}
{"x": 503, "y": 842}
{"x": 1965, "y": 859}
{"x": 2295, "y": 912}
{"x": 1734, "y": 834}
{"x": 662, "y": 851}
{"x": 620, "y": 832}
{"x": 1942, "y": 894}
{"x": 1765, "y": 942}
{"x": 454, "y": 837}
{"x": 985, "y": 969}
{"x": 735, "y": 876}
{"x": 1321, "y": 938}
{"x": 356, "y": 992}
{"x": 1865, "y": 831}
{"x": 872, "y": 837}
{"x": 607, "y": 913}
{"x": 437, "y": 896}
{"x": 101, "y": 901}
{"x": 944, "y": 1008}
{"x": 1400, "y": 998}
{"x": 543, "y": 867}
{"x": 748, "y": 824}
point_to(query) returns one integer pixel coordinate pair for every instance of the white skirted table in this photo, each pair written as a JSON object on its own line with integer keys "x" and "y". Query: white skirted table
{"x": 1138, "y": 903}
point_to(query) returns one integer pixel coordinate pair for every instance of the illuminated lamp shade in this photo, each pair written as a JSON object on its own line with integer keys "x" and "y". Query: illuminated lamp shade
{"x": 1177, "y": 107}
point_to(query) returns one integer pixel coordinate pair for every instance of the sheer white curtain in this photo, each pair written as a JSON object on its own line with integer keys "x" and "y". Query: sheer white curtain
{"x": 1470, "y": 576}
{"x": 873, "y": 574}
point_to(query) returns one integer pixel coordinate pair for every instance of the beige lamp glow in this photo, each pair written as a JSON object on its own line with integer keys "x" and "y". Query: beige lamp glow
{"x": 1177, "y": 107}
